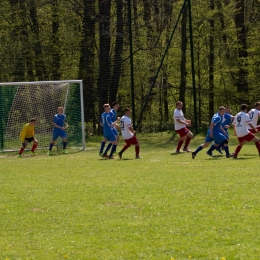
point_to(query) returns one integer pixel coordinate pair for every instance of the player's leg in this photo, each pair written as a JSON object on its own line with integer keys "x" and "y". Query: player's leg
{"x": 107, "y": 149}
{"x": 102, "y": 146}
{"x": 55, "y": 136}
{"x": 113, "y": 149}
{"x": 189, "y": 136}
{"x": 65, "y": 142}
{"x": 116, "y": 135}
{"x": 125, "y": 147}
{"x": 35, "y": 143}
{"x": 182, "y": 133}
{"x": 23, "y": 147}
{"x": 257, "y": 144}
{"x": 201, "y": 147}
{"x": 239, "y": 147}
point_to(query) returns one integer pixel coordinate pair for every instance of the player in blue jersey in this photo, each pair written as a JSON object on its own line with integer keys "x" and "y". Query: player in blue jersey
{"x": 114, "y": 118}
{"x": 108, "y": 125}
{"x": 215, "y": 133}
{"x": 226, "y": 121}
{"x": 59, "y": 130}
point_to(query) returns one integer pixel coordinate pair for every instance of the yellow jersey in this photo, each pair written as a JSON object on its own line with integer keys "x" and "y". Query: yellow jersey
{"x": 27, "y": 132}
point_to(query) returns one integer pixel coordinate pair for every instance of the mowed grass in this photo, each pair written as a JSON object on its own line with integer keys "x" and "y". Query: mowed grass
{"x": 79, "y": 206}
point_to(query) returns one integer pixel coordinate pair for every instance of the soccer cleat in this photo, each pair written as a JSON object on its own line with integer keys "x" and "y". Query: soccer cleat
{"x": 186, "y": 150}
{"x": 33, "y": 153}
{"x": 64, "y": 151}
{"x": 119, "y": 155}
{"x": 19, "y": 156}
{"x": 112, "y": 157}
{"x": 210, "y": 153}
{"x": 105, "y": 156}
{"x": 177, "y": 151}
{"x": 49, "y": 152}
{"x": 234, "y": 157}
{"x": 138, "y": 157}
{"x": 230, "y": 155}
{"x": 193, "y": 155}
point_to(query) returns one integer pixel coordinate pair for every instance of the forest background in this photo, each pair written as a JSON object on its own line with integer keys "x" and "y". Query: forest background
{"x": 90, "y": 40}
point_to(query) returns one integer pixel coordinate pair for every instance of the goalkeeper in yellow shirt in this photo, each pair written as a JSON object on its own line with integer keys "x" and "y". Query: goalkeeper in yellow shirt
{"x": 27, "y": 136}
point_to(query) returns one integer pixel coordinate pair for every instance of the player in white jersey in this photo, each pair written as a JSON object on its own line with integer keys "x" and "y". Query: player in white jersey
{"x": 180, "y": 126}
{"x": 241, "y": 123}
{"x": 254, "y": 115}
{"x": 128, "y": 134}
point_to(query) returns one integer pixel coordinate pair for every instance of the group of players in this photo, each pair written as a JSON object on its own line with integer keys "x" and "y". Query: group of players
{"x": 27, "y": 133}
{"x": 245, "y": 125}
{"x": 109, "y": 121}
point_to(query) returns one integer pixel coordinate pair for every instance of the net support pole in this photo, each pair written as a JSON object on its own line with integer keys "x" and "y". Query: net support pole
{"x": 131, "y": 61}
{"x": 82, "y": 116}
{"x": 1, "y": 120}
{"x": 162, "y": 60}
{"x": 193, "y": 70}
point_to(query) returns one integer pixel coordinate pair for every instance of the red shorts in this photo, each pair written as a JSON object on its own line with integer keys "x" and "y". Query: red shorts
{"x": 249, "y": 137}
{"x": 253, "y": 130}
{"x": 182, "y": 132}
{"x": 132, "y": 140}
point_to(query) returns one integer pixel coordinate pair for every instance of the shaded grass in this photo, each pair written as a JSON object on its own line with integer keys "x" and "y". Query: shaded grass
{"x": 77, "y": 206}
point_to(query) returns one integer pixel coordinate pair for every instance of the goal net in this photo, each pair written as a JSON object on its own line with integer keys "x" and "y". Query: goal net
{"x": 21, "y": 101}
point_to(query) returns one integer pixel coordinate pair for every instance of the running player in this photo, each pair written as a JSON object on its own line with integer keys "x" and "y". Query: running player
{"x": 59, "y": 130}
{"x": 114, "y": 118}
{"x": 27, "y": 136}
{"x": 128, "y": 134}
{"x": 108, "y": 132}
{"x": 254, "y": 115}
{"x": 215, "y": 133}
{"x": 241, "y": 123}
{"x": 180, "y": 124}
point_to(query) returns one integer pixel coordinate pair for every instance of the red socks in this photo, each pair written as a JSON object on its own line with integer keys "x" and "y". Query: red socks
{"x": 34, "y": 147}
{"x": 179, "y": 145}
{"x": 237, "y": 150}
{"x": 137, "y": 150}
{"x": 257, "y": 144}
{"x": 187, "y": 142}
{"x": 21, "y": 150}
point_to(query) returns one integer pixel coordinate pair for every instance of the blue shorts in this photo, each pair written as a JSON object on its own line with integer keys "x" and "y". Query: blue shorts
{"x": 58, "y": 133}
{"x": 114, "y": 131}
{"x": 110, "y": 137}
{"x": 217, "y": 138}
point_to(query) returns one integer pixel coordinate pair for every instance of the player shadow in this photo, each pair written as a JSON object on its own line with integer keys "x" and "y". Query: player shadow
{"x": 248, "y": 154}
{"x": 178, "y": 153}
{"x": 243, "y": 158}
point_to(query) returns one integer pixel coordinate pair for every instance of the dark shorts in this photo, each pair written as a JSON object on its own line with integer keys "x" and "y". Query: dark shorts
{"x": 29, "y": 139}
{"x": 249, "y": 137}
{"x": 182, "y": 132}
{"x": 132, "y": 140}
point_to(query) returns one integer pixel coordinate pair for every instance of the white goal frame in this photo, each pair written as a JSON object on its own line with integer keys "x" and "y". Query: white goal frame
{"x": 80, "y": 82}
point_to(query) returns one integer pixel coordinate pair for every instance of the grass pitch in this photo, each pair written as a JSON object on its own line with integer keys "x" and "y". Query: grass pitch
{"x": 165, "y": 206}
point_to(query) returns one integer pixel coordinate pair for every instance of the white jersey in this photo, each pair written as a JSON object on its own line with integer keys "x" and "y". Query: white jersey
{"x": 178, "y": 114}
{"x": 241, "y": 122}
{"x": 254, "y": 114}
{"x": 125, "y": 123}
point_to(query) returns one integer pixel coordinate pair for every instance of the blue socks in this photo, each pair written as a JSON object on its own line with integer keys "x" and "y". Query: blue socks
{"x": 113, "y": 150}
{"x": 198, "y": 149}
{"x": 51, "y": 145}
{"x": 108, "y": 147}
{"x": 212, "y": 148}
{"x": 64, "y": 145}
{"x": 102, "y": 146}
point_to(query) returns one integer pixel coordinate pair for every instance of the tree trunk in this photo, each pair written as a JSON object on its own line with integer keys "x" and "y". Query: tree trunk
{"x": 183, "y": 57}
{"x": 211, "y": 62}
{"x": 114, "y": 84}
{"x": 242, "y": 76}
{"x": 87, "y": 58}
{"x": 104, "y": 59}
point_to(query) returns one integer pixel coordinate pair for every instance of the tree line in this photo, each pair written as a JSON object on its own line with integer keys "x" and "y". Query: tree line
{"x": 89, "y": 40}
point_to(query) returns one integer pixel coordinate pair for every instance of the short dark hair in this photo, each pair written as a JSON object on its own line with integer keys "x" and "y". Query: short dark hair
{"x": 243, "y": 106}
{"x": 33, "y": 119}
{"x": 257, "y": 104}
{"x": 115, "y": 103}
{"x": 127, "y": 109}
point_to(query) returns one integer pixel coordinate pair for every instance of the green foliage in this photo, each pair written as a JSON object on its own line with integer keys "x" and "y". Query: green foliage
{"x": 165, "y": 206}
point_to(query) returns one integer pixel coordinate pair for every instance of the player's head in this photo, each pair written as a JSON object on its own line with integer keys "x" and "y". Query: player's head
{"x": 257, "y": 105}
{"x": 107, "y": 108}
{"x": 227, "y": 109}
{"x": 221, "y": 110}
{"x": 244, "y": 107}
{"x": 115, "y": 105}
{"x": 127, "y": 112}
{"x": 60, "y": 110}
{"x": 33, "y": 121}
{"x": 179, "y": 105}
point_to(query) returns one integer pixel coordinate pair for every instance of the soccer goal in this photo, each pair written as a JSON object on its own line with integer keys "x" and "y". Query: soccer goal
{"x": 20, "y": 101}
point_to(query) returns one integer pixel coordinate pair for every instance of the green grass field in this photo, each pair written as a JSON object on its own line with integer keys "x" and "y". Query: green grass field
{"x": 79, "y": 206}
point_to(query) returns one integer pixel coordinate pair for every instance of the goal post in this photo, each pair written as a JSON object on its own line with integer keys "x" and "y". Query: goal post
{"x": 21, "y": 101}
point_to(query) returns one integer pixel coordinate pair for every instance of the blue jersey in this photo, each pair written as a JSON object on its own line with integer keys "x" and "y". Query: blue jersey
{"x": 59, "y": 120}
{"x": 106, "y": 121}
{"x": 113, "y": 115}
{"x": 217, "y": 120}
{"x": 226, "y": 120}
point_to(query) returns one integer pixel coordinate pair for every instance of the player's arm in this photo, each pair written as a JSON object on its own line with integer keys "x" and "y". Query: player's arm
{"x": 57, "y": 126}
{"x": 181, "y": 121}
{"x": 222, "y": 129}
{"x": 212, "y": 124}
{"x": 252, "y": 127}
{"x": 66, "y": 125}
{"x": 130, "y": 127}
{"x": 23, "y": 134}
